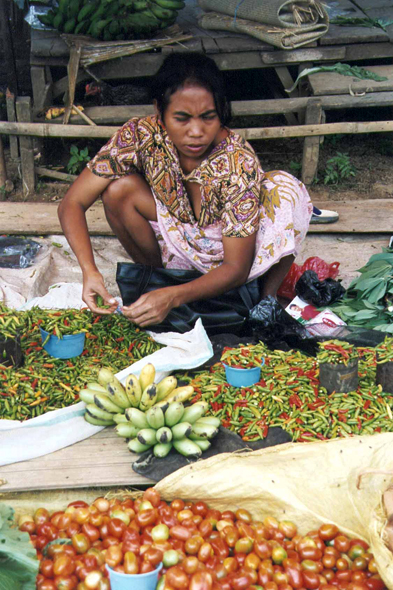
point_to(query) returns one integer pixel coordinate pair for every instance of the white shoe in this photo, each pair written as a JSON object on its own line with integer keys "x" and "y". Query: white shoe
{"x": 323, "y": 216}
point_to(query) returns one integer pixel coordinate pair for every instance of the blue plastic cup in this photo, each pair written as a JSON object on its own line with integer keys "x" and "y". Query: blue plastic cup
{"x": 63, "y": 348}
{"x": 243, "y": 377}
{"x": 121, "y": 581}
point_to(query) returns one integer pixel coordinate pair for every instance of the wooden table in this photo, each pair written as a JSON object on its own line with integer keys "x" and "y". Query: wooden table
{"x": 235, "y": 52}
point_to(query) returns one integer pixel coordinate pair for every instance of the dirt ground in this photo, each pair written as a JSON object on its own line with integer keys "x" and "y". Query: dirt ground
{"x": 369, "y": 157}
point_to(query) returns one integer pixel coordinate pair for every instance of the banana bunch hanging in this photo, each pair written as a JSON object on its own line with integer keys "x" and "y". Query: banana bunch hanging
{"x": 112, "y": 20}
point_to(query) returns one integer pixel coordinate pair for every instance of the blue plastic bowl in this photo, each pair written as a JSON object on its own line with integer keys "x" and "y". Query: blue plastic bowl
{"x": 121, "y": 581}
{"x": 243, "y": 377}
{"x": 63, "y": 348}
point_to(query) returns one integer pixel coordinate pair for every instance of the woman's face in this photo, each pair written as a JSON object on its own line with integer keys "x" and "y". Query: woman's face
{"x": 192, "y": 122}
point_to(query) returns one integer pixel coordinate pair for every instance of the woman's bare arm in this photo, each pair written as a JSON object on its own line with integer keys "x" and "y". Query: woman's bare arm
{"x": 153, "y": 307}
{"x": 85, "y": 191}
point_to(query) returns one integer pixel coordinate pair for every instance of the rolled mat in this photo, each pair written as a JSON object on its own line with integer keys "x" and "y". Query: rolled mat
{"x": 284, "y": 24}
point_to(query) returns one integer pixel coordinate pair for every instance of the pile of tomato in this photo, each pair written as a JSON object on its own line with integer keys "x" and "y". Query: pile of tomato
{"x": 200, "y": 548}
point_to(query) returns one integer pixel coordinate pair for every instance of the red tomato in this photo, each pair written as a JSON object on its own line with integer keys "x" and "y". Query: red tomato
{"x": 152, "y": 496}
{"x": 311, "y": 553}
{"x": 78, "y": 504}
{"x": 153, "y": 556}
{"x": 193, "y": 544}
{"x": 47, "y": 529}
{"x": 40, "y": 542}
{"x": 177, "y": 578}
{"x": 66, "y": 582}
{"x": 180, "y": 532}
{"x": 220, "y": 548}
{"x": 200, "y": 508}
{"x": 131, "y": 563}
{"x": 73, "y": 529}
{"x": 205, "y": 528}
{"x": 91, "y": 532}
{"x": 177, "y": 505}
{"x": 295, "y": 576}
{"x": 205, "y": 552}
{"x": 80, "y": 543}
{"x": 374, "y": 583}
{"x": 46, "y": 584}
{"x": 63, "y": 565}
{"x": 341, "y": 543}
{"x": 109, "y": 542}
{"x": 262, "y": 549}
{"x": 46, "y": 568}
{"x": 147, "y": 517}
{"x": 116, "y": 527}
{"x": 311, "y": 580}
{"x": 114, "y": 556}
{"x": 201, "y": 581}
{"x": 190, "y": 564}
{"x": 327, "y": 532}
{"x": 41, "y": 515}
{"x": 231, "y": 564}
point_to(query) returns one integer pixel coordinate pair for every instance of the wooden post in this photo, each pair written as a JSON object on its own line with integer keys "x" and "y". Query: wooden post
{"x": 311, "y": 144}
{"x": 23, "y": 112}
{"x": 73, "y": 68}
{"x": 11, "y": 116}
{"x": 12, "y": 78}
{"x": 286, "y": 80}
{"x": 6, "y": 185}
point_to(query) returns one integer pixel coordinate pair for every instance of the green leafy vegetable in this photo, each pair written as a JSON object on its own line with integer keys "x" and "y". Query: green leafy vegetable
{"x": 339, "y": 68}
{"x": 368, "y": 301}
{"x": 18, "y": 558}
{"x": 356, "y": 21}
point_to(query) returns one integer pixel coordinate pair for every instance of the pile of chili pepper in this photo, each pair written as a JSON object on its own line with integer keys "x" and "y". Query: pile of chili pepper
{"x": 336, "y": 352}
{"x": 289, "y": 396}
{"x": 63, "y": 322}
{"x": 44, "y": 383}
{"x": 240, "y": 358}
{"x": 385, "y": 351}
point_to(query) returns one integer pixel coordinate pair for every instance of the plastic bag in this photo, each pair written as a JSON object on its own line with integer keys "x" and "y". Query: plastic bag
{"x": 279, "y": 330}
{"x": 17, "y": 252}
{"x": 322, "y": 268}
{"x": 320, "y": 293}
{"x": 310, "y": 484}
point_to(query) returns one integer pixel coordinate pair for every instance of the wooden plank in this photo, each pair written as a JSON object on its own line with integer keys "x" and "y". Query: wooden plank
{"x": 23, "y": 113}
{"x": 311, "y": 144}
{"x": 11, "y": 116}
{"x": 209, "y": 45}
{"x": 364, "y": 217}
{"x": 240, "y": 44}
{"x": 42, "y": 87}
{"x": 113, "y": 115}
{"x": 324, "y": 83}
{"x": 48, "y": 44}
{"x": 102, "y": 460}
{"x": 338, "y": 35}
{"x": 8, "y": 47}
{"x": 297, "y": 56}
{"x": 368, "y": 51}
{"x": 42, "y": 219}
{"x": 183, "y": 47}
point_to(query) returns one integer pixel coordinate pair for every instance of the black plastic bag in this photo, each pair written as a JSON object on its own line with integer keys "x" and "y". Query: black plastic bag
{"x": 279, "y": 330}
{"x": 10, "y": 351}
{"x": 17, "y": 252}
{"x": 319, "y": 293}
{"x": 225, "y": 442}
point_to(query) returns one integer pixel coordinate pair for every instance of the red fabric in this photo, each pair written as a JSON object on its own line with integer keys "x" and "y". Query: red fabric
{"x": 322, "y": 268}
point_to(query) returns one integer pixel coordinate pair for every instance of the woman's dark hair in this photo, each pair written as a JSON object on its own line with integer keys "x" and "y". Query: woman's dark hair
{"x": 196, "y": 68}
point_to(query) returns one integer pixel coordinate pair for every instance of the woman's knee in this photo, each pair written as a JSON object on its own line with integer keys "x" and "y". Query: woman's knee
{"x": 132, "y": 192}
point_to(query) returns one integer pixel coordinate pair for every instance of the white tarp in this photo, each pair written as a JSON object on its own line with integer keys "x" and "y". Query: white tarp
{"x": 55, "y": 430}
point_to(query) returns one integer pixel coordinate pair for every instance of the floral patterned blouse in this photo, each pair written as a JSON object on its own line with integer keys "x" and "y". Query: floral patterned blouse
{"x": 229, "y": 177}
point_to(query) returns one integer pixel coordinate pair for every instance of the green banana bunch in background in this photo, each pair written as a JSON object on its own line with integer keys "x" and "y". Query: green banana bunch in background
{"x": 112, "y": 20}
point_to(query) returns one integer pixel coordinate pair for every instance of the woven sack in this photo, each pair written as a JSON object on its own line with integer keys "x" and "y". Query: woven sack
{"x": 339, "y": 481}
{"x": 286, "y": 24}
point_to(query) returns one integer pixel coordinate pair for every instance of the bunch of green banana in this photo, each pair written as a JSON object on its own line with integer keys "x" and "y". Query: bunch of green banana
{"x": 112, "y": 19}
{"x": 105, "y": 399}
{"x": 184, "y": 429}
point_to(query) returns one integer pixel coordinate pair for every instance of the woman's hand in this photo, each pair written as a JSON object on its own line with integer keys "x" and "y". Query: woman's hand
{"x": 93, "y": 285}
{"x": 151, "y": 308}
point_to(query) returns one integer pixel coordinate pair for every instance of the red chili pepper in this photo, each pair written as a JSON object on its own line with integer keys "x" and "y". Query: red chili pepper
{"x": 243, "y": 431}
{"x": 70, "y": 364}
{"x": 294, "y": 400}
{"x": 66, "y": 322}
{"x": 131, "y": 346}
{"x": 321, "y": 437}
{"x": 378, "y": 429}
{"x": 34, "y": 383}
{"x": 97, "y": 319}
{"x": 219, "y": 389}
{"x": 119, "y": 339}
{"x": 226, "y": 423}
{"x": 284, "y": 416}
{"x": 367, "y": 404}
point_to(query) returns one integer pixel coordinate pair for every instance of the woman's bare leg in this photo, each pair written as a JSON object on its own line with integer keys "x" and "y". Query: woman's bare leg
{"x": 270, "y": 282}
{"x": 129, "y": 206}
